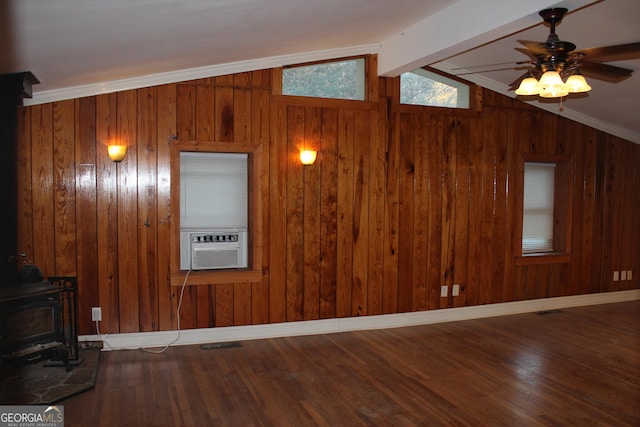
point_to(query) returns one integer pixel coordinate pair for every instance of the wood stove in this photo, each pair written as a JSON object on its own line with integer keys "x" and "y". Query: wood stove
{"x": 39, "y": 321}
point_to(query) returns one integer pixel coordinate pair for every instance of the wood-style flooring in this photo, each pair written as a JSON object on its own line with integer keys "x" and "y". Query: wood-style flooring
{"x": 573, "y": 367}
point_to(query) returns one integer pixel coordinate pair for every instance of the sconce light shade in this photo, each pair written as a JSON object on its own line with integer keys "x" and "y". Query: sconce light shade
{"x": 117, "y": 152}
{"x": 307, "y": 157}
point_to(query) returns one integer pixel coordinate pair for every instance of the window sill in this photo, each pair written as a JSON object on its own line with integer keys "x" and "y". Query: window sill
{"x": 217, "y": 277}
{"x": 543, "y": 258}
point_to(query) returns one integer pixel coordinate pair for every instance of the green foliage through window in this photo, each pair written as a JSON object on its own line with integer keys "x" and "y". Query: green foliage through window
{"x": 343, "y": 80}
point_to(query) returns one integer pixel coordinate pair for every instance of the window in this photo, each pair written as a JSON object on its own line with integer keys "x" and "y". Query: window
{"x": 340, "y": 79}
{"x": 422, "y": 87}
{"x": 240, "y": 168}
{"x": 213, "y": 191}
{"x": 545, "y": 194}
{"x": 537, "y": 211}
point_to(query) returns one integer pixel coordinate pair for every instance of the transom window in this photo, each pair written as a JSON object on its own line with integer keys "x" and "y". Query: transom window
{"x": 422, "y": 87}
{"x": 339, "y": 79}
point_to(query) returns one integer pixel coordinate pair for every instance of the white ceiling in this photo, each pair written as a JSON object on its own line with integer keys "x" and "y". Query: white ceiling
{"x": 85, "y": 47}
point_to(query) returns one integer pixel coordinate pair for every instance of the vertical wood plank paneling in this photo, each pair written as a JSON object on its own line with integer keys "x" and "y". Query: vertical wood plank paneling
{"x": 204, "y": 111}
{"x": 43, "y": 197}
{"x": 186, "y": 112}
{"x": 242, "y": 107}
{"x": 360, "y": 231}
{"x": 626, "y": 219}
{"x": 242, "y": 295}
{"x": 472, "y": 286}
{"x": 377, "y": 170}
{"x": 512, "y": 214}
{"x": 86, "y": 211}
{"x": 421, "y": 232}
{"x": 400, "y": 201}
{"x": 146, "y": 149}
{"x": 462, "y": 201}
{"x": 107, "y": 204}
{"x": 311, "y": 216}
{"x": 391, "y": 215}
{"x": 434, "y": 263}
{"x": 260, "y": 134}
{"x": 328, "y": 212}
{"x": 295, "y": 215}
{"x": 128, "y": 253}
{"x": 586, "y": 183}
{"x": 502, "y": 236}
{"x": 64, "y": 172}
{"x": 406, "y": 214}
{"x": 344, "y": 250}
{"x": 277, "y": 219}
{"x": 165, "y": 130}
{"x": 448, "y": 208}
{"x": 224, "y": 111}
{"x": 610, "y": 252}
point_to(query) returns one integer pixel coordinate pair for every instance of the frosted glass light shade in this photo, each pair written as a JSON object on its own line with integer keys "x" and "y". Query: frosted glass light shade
{"x": 117, "y": 152}
{"x": 552, "y": 85}
{"x": 528, "y": 86}
{"x": 307, "y": 157}
{"x": 576, "y": 83}
{"x": 551, "y": 80}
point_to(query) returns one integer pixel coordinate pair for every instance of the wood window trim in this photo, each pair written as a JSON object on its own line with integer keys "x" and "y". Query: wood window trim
{"x": 253, "y": 274}
{"x": 562, "y": 205}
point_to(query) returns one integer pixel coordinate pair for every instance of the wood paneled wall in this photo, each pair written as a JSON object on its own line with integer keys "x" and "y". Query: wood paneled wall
{"x": 401, "y": 200}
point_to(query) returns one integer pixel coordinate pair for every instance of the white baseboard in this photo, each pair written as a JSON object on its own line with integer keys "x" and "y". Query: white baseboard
{"x": 326, "y": 326}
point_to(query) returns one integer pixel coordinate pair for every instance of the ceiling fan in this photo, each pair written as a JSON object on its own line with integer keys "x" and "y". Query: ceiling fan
{"x": 559, "y": 69}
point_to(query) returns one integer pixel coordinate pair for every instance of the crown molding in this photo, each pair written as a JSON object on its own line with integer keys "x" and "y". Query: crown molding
{"x": 157, "y": 79}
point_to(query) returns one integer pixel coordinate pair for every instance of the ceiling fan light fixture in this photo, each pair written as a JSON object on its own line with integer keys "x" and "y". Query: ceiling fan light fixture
{"x": 554, "y": 92}
{"x": 528, "y": 86}
{"x": 551, "y": 80}
{"x": 576, "y": 83}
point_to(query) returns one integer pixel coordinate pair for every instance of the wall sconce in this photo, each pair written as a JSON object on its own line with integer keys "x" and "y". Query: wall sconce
{"x": 307, "y": 157}
{"x": 117, "y": 152}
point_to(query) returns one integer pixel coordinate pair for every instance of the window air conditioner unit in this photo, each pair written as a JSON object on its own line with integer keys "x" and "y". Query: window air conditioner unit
{"x": 213, "y": 249}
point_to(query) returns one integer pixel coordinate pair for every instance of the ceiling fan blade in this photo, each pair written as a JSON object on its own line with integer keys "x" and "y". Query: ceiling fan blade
{"x": 528, "y": 53}
{"x": 621, "y": 52}
{"x": 605, "y": 72}
{"x": 537, "y": 48}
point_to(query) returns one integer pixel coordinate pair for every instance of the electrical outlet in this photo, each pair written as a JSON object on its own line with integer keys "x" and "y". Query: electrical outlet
{"x": 616, "y": 276}
{"x": 455, "y": 290}
{"x": 630, "y": 275}
{"x": 96, "y": 314}
{"x": 623, "y": 275}
{"x": 443, "y": 291}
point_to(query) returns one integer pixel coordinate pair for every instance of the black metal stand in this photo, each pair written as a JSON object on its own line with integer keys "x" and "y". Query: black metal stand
{"x": 69, "y": 313}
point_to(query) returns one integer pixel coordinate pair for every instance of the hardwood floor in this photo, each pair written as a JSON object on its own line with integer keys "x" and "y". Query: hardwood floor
{"x": 574, "y": 367}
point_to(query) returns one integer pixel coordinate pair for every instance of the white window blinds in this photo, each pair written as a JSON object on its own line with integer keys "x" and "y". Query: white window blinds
{"x": 213, "y": 190}
{"x": 537, "y": 221}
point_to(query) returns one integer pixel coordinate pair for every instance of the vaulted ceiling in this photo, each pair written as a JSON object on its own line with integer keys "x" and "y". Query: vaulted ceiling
{"x": 84, "y": 47}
